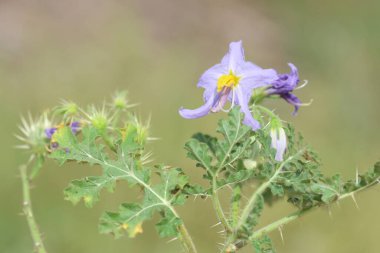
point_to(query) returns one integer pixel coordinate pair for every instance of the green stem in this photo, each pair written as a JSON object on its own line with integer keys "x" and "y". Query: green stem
{"x": 187, "y": 240}
{"x": 258, "y": 95}
{"x": 270, "y": 113}
{"x": 229, "y": 246}
{"x": 218, "y": 207}
{"x": 27, "y": 208}
{"x": 235, "y": 204}
{"x": 215, "y": 197}
{"x": 251, "y": 202}
{"x": 279, "y": 223}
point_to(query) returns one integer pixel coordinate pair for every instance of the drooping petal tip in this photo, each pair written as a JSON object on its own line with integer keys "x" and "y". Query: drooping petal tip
{"x": 242, "y": 101}
{"x": 293, "y": 100}
{"x": 197, "y": 113}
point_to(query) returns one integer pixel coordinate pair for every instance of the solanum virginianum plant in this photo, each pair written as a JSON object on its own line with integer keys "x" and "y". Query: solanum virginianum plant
{"x": 252, "y": 152}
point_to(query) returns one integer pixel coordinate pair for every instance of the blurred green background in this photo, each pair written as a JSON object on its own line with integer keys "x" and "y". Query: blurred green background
{"x": 85, "y": 50}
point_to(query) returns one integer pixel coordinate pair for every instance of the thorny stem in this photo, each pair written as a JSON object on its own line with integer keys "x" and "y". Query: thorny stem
{"x": 293, "y": 216}
{"x": 215, "y": 197}
{"x": 270, "y": 113}
{"x": 251, "y": 202}
{"x": 27, "y": 208}
{"x": 218, "y": 206}
{"x": 186, "y": 239}
{"x": 250, "y": 205}
{"x": 235, "y": 203}
{"x": 229, "y": 246}
{"x": 279, "y": 223}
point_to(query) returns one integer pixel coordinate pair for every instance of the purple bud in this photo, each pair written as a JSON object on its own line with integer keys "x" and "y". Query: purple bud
{"x": 54, "y": 145}
{"x": 75, "y": 127}
{"x": 50, "y": 131}
{"x": 278, "y": 137}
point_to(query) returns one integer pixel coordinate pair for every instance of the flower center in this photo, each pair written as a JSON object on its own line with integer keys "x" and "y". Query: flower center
{"x": 229, "y": 81}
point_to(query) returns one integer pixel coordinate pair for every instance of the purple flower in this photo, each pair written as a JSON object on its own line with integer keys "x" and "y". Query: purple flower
{"x": 231, "y": 80}
{"x": 284, "y": 85}
{"x": 49, "y": 132}
{"x": 75, "y": 127}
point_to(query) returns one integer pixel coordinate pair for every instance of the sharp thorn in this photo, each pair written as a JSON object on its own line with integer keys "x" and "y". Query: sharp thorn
{"x": 354, "y": 199}
{"x": 172, "y": 240}
{"x": 281, "y": 234}
{"x": 357, "y": 177}
{"x": 217, "y": 224}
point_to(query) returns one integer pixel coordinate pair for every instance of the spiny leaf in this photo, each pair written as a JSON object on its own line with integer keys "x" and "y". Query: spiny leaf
{"x": 157, "y": 198}
{"x": 88, "y": 189}
{"x": 277, "y": 190}
{"x": 234, "y": 132}
{"x": 328, "y": 194}
{"x": 233, "y": 128}
{"x": 88, "y": 150}
{"x": 263, "y": 245}
{"x": 168, "y": 226}
{"x": 128, "y": 220}
{"x": 200, "y": 152}
{"x": 254, "y": 216}
{"x": 127, "y": 164}
{"x": 210, "y": 141}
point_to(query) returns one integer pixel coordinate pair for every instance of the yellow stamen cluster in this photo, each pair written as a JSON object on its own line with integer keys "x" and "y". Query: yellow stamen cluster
{"x": 230, "y": 81}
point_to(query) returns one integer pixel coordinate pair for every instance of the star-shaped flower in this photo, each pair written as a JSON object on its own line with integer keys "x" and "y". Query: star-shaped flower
{"x": 231, "y": 80}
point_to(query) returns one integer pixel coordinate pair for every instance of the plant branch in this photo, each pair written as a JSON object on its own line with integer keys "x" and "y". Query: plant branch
{"x": 185, "y": 236}
{"x": 186, "y": 239}
{"x": 251, "y": 202}
{"x": 215, "y": 197}
{"x": 28, "y": 212}
{"x": 218, "y": 206}
{"x": 270, "y": 113}
{"x": 235, "y": 203}
{"x": 291, "y": 217}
